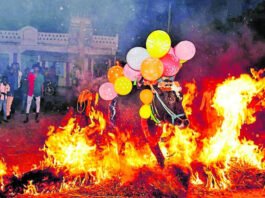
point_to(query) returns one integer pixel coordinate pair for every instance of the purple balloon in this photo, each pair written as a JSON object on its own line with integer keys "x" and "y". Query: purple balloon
{"x": 131, "y": 73}
{"x": 107, "y": 91}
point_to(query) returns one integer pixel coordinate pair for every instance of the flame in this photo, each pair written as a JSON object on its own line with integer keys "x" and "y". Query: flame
{"x": 231, "y": 101}
{"x": 31, "y": 189}
{"x": 99, "y": 152}
{"x": 189, "y": 97}
{"x": 179, "y": 146}
{"x": 93, "y": 151}
{"x": 3, "y": 171}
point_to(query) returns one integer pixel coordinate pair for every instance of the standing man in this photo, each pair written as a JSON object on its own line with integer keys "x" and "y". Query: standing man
{"x": 12, "y": 81}
{"x": 35, "y": 89}
{"x": 24, "y": 90}
{"x": 4, "y": 89}
{"x": 17, "y": 93}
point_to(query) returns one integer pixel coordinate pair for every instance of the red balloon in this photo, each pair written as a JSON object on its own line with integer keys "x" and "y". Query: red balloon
{"x": 171, "y": 65}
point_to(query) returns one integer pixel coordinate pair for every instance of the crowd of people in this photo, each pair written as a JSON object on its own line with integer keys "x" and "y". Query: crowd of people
{"x": 18, "y": 89}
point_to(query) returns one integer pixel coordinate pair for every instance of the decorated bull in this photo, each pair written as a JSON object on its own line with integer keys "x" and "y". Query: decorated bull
{"x": 166, "y": 107}
{"x": 148, "y": 77}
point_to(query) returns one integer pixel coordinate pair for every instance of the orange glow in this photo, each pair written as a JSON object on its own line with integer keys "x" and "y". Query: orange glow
{"x": 100, "y": 152}
{"x": 93, "y": 151}
{"x": 231, "y": 101}
{"x": 3, "y": 171}
{"x": 189, "y": 97}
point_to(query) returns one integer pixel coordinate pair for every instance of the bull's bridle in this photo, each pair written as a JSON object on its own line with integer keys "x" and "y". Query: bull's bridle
{"x": 167, "y": 109}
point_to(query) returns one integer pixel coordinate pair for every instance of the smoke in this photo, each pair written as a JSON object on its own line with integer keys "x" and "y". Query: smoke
{"x": 221, "y": 54}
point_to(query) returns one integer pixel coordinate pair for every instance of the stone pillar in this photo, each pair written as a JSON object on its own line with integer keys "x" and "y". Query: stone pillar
{"x": 92, "y": 64}
{"x": 39, "y": 59}
{"x": 19, "y": 60}
{"x": 46, "y": 64}
{"x": 86, "y": 64}
{"x": 109, "y": 62}
{"x": 14, "y": 58}
{"x": 62, "y": 76}
{"x": 10, "y": 58}
{"x": 67, "y": 70}
{"x": 54, "y": 63}
{"x": 114, "y": 60}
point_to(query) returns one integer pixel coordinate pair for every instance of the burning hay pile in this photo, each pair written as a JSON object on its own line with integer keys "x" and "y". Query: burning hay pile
{"x": 100, "y": 160}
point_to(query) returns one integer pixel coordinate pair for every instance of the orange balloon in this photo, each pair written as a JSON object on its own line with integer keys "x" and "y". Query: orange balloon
{"x": 114, "y": 73}
{"x": 152, "y": 69}
{"x": 146, "y": 96}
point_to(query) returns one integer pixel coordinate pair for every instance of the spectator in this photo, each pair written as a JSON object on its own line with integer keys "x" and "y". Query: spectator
{"x": 4, "y": 89}
{"x": 17, "y": 90}
{"x": 14, "y": 80}
{"x": 35, "y": 89}
{"x": 24, "y": 90}
{"x": 11, "y": 78}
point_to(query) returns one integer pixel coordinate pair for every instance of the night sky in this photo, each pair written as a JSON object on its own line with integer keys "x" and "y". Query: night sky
{"x": 131, "y": 19}
{"x": 226, "y": 41}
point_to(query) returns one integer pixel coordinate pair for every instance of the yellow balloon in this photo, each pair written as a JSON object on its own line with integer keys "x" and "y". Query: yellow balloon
{"x": 145, "y": 111}
{"x": 182, "y": 61}
{"x": 123, "y": 86}
{"x": 158, "y": 43}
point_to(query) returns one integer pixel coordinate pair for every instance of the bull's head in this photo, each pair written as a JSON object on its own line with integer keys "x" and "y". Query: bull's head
{"x": 172, "y": 110}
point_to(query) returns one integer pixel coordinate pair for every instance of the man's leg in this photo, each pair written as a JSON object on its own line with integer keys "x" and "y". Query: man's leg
{"x": 8, "y": 105}
{"x": 23, "y": 103}
{"x": 29, "y": 100}
{"x": 37, "y": 108}
{"x": 4, "y": 111}
{"x": 1, "y": 104}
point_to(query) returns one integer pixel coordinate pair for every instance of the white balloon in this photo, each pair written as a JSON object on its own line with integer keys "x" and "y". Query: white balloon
{"x": 136, "y": 56}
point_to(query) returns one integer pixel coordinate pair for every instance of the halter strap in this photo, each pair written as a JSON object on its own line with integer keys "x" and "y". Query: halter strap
{"x": 153, "y": 117}
{"x": 171, "y": 113}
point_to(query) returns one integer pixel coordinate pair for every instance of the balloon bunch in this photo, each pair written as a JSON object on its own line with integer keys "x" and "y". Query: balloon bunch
{"x": 158, "y": 60}
{"x": 118, "y": 84}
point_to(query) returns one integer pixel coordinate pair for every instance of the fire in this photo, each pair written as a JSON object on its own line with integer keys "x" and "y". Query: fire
{"x": 93, "y": 151}
{"x": 3, "y": 171}
{"x": 189, "y": 97}
{"x": 99, "y": 152}
{"x": 231, "y": 101}
{"x": 179, "y": 146}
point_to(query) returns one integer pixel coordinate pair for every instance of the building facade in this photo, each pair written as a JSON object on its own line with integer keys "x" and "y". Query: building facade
{"x": 79, "y": 47}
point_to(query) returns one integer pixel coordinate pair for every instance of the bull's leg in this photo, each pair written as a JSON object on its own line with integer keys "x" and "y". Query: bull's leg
{"x": 153, "y": 142}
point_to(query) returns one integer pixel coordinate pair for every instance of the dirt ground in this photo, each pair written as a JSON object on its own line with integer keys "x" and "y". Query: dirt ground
{"x": 20, "y": 143}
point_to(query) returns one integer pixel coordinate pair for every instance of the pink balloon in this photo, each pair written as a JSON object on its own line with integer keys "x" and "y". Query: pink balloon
{"x": 171, "y": 51}
{"x": 171, "y": 65}
{"x": 185, "y": 50}
{"x": 131, "y": 73}
{"x": 107, "y": 92}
